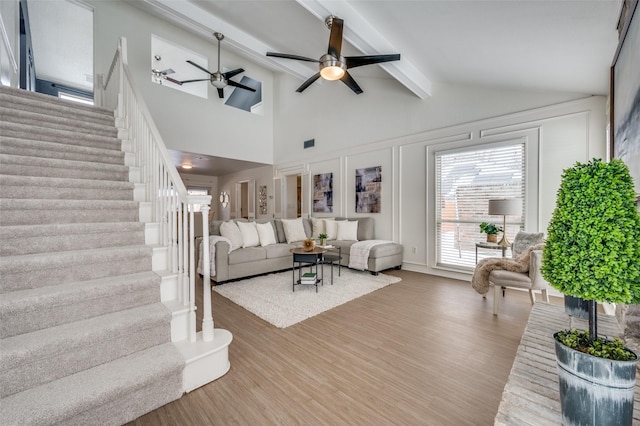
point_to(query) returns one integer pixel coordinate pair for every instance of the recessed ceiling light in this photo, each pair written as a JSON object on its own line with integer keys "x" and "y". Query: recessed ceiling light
{"x": 187, "y": 166}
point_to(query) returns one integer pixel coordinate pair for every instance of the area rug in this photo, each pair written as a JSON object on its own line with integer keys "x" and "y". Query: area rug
{"x": 271, "y": 297}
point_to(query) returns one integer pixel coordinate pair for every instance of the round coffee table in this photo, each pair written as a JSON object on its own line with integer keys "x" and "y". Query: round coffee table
{"x": 312, "y": 258}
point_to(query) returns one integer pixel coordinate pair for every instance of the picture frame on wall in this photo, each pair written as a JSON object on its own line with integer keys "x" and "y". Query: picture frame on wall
{"x": 624, "y": 111}
{"x": 323, "y": 193}
{"x": 368, "y": 189}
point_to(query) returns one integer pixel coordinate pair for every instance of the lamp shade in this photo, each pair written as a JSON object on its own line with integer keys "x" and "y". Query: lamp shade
{"x": 506, "y": 207}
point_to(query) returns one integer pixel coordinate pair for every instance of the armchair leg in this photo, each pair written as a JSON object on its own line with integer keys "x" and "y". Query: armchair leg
{"x": 532, "y": 297}
{"x": 545, "y": 295}
{"x": 496, "y": 299}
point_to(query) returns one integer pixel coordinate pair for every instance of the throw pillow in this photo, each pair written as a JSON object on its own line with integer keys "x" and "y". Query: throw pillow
{"x": 347, "y": 230}
{"x": 294, "y": 230}
{"x": 249, "y": 234}
{"x": 524, "y": 240}
{"x": 317, "y": 225}
{"x": 331, "y": 227}
{"x": 266, "y": 234}
{"x": 231, "y": 231}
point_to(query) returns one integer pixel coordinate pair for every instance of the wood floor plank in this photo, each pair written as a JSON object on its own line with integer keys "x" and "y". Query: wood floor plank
{"x": 424, "y": 351}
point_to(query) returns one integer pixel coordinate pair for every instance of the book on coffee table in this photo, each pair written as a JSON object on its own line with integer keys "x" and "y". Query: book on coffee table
{"x": 308, "y": 278}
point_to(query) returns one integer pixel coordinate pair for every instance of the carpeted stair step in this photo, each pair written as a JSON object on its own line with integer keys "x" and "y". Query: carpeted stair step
{"x": 59, "y": 109}
{"x": 22, "y": 99}
{"x": 50, "y": 269}
{"x": 32, "y": 359}
{"x": 46, "y": 167}
{"x": 46, "y": 121}
{"x": 38, "y": 187}
{"x": 42, "y": 212}
{"x": 36, "y": 309}
{"x": 34, "y": 148}
{"x": 14, "y": 130}
{"x": 31, "y": 239}
{"x": 109, "y": 394}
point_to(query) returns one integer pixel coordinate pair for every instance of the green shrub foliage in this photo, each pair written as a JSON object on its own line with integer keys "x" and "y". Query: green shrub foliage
{"x": 598, "y": 347}
{"x": 593, "y": 240}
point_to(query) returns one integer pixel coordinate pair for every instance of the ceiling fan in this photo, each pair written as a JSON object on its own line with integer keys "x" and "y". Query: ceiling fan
{"x": 218, "y": 79}
{"x": 333, "y": 66}
{"x": 160, "y": 75}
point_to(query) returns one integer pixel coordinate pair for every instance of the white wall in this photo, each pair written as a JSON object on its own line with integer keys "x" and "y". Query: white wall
{"x": 337, "y": 118}
{"x": 186, "y": 122}
{"x": 10, "y": 44}
{"x": 555, "y": 136}
{"x": 261, "y": 175}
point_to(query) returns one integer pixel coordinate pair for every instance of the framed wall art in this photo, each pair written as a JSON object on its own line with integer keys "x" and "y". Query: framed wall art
{"x": 368, "y": 189}
{"x": 323, "y": 193}
{"x": 625, "y": 94}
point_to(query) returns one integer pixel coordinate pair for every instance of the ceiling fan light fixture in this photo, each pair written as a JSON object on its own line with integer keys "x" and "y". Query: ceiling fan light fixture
{"x": 187, "y": 166}
{"x": 332, "y": 73}
{"x": 331, "y": 68}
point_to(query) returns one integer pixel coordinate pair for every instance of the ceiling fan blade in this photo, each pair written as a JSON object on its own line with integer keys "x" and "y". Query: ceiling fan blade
{"x": 193, "y": 81}
{"x": 308, "y": 83}
{"x": 288, "y": 56}
{"x": 220, "y": 92}
{"x": 349, "y": 81}
{"x": 335, "y": 39}
{"x": 198, "y": 66}
{"x": 173, "y": 80}
{"x": 358, "y": 61}
{"x": 227, "y": 75}
{"x": 240, "y": 86}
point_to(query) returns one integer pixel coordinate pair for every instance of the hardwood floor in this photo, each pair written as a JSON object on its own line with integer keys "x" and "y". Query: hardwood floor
{"x": 424, "y": 351}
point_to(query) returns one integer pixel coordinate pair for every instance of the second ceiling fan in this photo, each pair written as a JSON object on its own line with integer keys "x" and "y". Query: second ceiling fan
{"x": 218, "y": 79}
{"x": 332, "y": 65}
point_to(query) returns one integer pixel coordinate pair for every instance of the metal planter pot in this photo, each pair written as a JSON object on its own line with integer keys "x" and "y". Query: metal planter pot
{"x": 576, "y": 307}
{"x": 595, "y": 391}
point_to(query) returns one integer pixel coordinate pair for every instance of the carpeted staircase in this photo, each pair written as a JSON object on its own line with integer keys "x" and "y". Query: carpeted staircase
{"x": 84, "y": 338}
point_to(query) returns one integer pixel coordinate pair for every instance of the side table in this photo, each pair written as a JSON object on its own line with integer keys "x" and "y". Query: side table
{"x": 490, "y": 246}
{"x": 313, "y": 258}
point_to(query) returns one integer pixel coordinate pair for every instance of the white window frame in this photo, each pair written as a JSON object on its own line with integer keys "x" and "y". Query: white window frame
{"x": 513, "y": 224}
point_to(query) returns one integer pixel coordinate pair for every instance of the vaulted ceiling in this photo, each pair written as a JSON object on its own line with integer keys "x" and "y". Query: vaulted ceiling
{"x": 564, "y": 46}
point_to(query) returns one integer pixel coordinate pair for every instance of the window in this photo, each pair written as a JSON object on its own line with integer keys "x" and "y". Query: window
{"x": 465, "y": 180}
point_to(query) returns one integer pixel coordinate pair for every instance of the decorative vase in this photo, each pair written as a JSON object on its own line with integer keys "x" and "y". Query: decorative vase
{"x": 308, "y": 244}
{"x": 323, "y": 241}
{"x": 492, "y": 238}
{"x": 594, "y": 391}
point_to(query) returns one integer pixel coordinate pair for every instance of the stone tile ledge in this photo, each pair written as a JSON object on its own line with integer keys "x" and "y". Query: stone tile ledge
{"x": 531, "y": 395}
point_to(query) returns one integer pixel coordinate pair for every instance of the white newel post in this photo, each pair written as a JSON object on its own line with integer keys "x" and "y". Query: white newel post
{"x": 192, "y": 277}
{"x": 207, "y": 316}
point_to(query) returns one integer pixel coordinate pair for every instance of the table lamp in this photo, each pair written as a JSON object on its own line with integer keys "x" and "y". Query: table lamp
{"x": 505, "y": 207}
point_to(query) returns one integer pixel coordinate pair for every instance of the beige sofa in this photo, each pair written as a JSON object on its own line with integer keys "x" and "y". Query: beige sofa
{"x": 250, "y": 261}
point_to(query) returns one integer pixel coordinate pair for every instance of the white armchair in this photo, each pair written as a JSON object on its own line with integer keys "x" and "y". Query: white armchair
{"x": 521, "y": 271}
{"x": 531, "y": 280}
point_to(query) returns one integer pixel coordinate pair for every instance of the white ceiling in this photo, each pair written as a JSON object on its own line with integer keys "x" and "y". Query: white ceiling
{"x": 539, "y": 45}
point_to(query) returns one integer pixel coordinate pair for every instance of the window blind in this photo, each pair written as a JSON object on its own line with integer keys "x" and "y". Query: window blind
{"x": 465, "y": 181}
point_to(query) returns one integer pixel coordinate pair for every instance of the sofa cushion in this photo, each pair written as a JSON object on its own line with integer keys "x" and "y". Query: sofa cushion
{"x": 249, "y": 233}
{"x": 332, "y": 229}
{"x": 347, "y": 230}
{"x": 280, "y": 231}
{"x": 249, "y": 254}
{"x": 294, "y": 230}
{"x": 266, "y": 233}
{"x": 214, "y": 227}
{"x": 231, "y": 231}
{"x": 318, "y": 226}
{"x": 384, "y": 250}
{"x": 275, "y": 251}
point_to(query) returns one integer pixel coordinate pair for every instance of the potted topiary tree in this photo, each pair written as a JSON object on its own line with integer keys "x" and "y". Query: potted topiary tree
{"x": 593, "y": 252}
